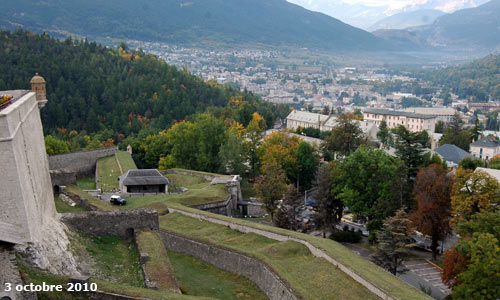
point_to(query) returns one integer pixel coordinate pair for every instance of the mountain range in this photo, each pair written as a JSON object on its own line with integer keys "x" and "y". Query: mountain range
{"x": 190, "y": 22}
{"x": 475, "y": 30}
{"x": 365, "y": 16}
{"x": 407, "y": 19}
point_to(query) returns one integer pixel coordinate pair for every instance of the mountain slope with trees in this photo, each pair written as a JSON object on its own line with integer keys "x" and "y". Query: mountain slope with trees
{"x": 93, "y": 88}
{"x": 195, "y": 22}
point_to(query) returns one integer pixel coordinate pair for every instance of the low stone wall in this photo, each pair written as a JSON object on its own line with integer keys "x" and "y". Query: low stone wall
{"x": 100, "y": 295}
{"x": 83, "y": 202}
{"x": 83, "y": 163}
{"x": 222, "y": 207}
{"x": 206, "y": 176}
{"x": 230, "y": 260}
{"x": 120, "y": 222}
{"x": 314, "y": 250}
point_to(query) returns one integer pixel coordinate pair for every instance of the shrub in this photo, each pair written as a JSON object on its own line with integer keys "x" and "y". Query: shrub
{"x": 347, "y": 236}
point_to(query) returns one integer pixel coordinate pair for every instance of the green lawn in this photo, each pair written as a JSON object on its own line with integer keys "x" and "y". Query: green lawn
{"x": 197, "y": 194}
{"x": 126, "y": 161}
{"x": 311, "y": 277}
{"x": 199, "y": 278}
{"x": 158, "y": 266}
{"x": 87, "y": 183}
{"x": 63, "y": 207}
{"x": 368, "y": 270}
{"x": 184, "y": 180}
{"x": 108, "y": 173}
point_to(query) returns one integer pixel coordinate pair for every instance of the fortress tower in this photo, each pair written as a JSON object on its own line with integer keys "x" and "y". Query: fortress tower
{"x": 27, "y": 201}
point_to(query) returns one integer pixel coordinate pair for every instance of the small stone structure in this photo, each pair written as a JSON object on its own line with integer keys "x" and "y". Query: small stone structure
{"x": 83, "y": 163}
{"x": 119, "y": 222}
{"x": 143, "y": 181}
{"x": 62, "y": 177}
{"x": 232, "y": 261}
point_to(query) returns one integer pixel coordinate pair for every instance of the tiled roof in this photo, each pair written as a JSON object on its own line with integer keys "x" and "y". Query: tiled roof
{"x": 305, "y": 116}
{"x": 488, "y": 142}
{"x": 452, "y": 153}
{"x": 396, "y": 113}
{"x": 143, "y": 177}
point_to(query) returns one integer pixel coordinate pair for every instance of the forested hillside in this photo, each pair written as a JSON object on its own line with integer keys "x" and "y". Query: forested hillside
{"x": 194, "y": 22}
{"x": 477, "y": 80}
{"x": 93, "y": 88}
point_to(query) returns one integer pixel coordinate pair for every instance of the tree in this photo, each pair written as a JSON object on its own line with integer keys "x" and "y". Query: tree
{"x": 455, "y": 134}
{"x": 439, "y": 127}
{"x": 270, "y": 188}
{"x": 291, "y": 202}
{"x": 330, "y": 207}
{"x": 346, "y": 136}
{"x": 494, "y": 163}
{"x": 480, "y": 280}
{"x": 253, "y": 137}
{"x": 410, "y": 149}
{"x": 281, "y": 149}
{"x": 369, "y": 182}
{"x": 471, "y": 163}
{"x": 476, "y": 130}
{"x": 395, "y": 242}
{"x": 307, "y": 165}
{"x": 473, "y": 192}
{"x": 432, "y": 192}
{"x": 232, "y": 154}
{"x": 55, "y": 146}
{"x": 384, "y": 135}
{"x": 455, "y": 263}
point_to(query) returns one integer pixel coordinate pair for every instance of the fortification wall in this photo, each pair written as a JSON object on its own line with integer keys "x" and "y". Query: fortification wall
{"x": 9, "y": 273}
{"x": 27, "y": 205}
{"x": 229, "y": 260}
{"x": 222, "y": 207}
{"x": 62, "y": 177}
{"x": 83, "y": 163}
{"x": 120, "y": 222}
{"x": 282, "y": 238}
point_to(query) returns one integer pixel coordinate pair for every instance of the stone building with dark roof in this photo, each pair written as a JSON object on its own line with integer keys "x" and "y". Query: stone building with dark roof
{"x": 485, "y": 148}
{"x": 452, "y": 154}
{"x": 145, "y": 181}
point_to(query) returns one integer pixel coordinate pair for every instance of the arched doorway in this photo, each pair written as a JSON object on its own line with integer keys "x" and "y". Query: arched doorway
{"x": 57, "y": 190}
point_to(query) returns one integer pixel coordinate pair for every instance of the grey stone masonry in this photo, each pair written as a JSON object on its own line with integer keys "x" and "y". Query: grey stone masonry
{"x": 230, "y": 260}
{"x": 83, "y": 163}
{"x": 9, "y": 273}
{"x": 122, "y": 223}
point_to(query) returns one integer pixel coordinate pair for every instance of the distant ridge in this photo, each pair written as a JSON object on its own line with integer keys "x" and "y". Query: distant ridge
{"x": 191, "y": 22}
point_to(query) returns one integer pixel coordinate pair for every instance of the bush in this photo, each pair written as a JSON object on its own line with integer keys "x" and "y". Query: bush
{"x": 347, "y": 236}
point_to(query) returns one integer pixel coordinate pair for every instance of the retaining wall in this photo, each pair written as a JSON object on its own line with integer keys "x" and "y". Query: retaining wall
{"x": 230, "y": 260}
{"x": 9, "y": 273}
{"x": 222, "y": 207}
{"x": 314, "y": 250}
{"x": 100, "y": 295}
{"x": 83, "y": 163}
{"x": 120, "y": 222}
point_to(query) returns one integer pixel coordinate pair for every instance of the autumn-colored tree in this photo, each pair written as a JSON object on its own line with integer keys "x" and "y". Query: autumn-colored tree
{"x": 455, "y": 262}
{"x": 279, "y": 148}
{"x": 432, "y": 192}
{"x": 394, "y": 242}
{"x": 270, "y": 187}
{"x": 473, "y": 192}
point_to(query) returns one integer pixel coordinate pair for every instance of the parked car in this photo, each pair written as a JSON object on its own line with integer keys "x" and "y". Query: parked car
{"x": 117, "y": 200}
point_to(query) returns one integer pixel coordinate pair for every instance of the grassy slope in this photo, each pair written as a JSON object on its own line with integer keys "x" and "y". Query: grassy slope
{"x": 126, "y": 161}
{"x": 63, "y": 207}
{"x": 201, "y": 173}
{"x": 197, "y": 194}
{"x": 184, "y": 180}
{"x": 108, "y": 173}
{"x": 158, "y": 266}
{"x": 313, "y": 278}
{"x": 113, "y": 259}
{"x": 368, "y": 270}
{"x": 199, "y": 278}
{"x": 87, "y": 183}
{"x": 101, "y": 205}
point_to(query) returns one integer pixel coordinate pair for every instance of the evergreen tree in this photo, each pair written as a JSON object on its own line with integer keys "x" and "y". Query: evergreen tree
{"x": 307, "y": 165}
{"x": 330, "y": 207}
{"x": 394, "y": 243}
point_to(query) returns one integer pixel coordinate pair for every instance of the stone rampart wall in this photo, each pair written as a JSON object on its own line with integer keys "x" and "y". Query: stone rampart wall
{"x": 222, "y": 207}
{"x": 230, "y": 260}
{"x": 83, "y": 163}
{"x": 120, "y": 222}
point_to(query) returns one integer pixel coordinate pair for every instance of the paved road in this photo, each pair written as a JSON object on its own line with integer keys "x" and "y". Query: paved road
{"x": 418, "y": 275}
